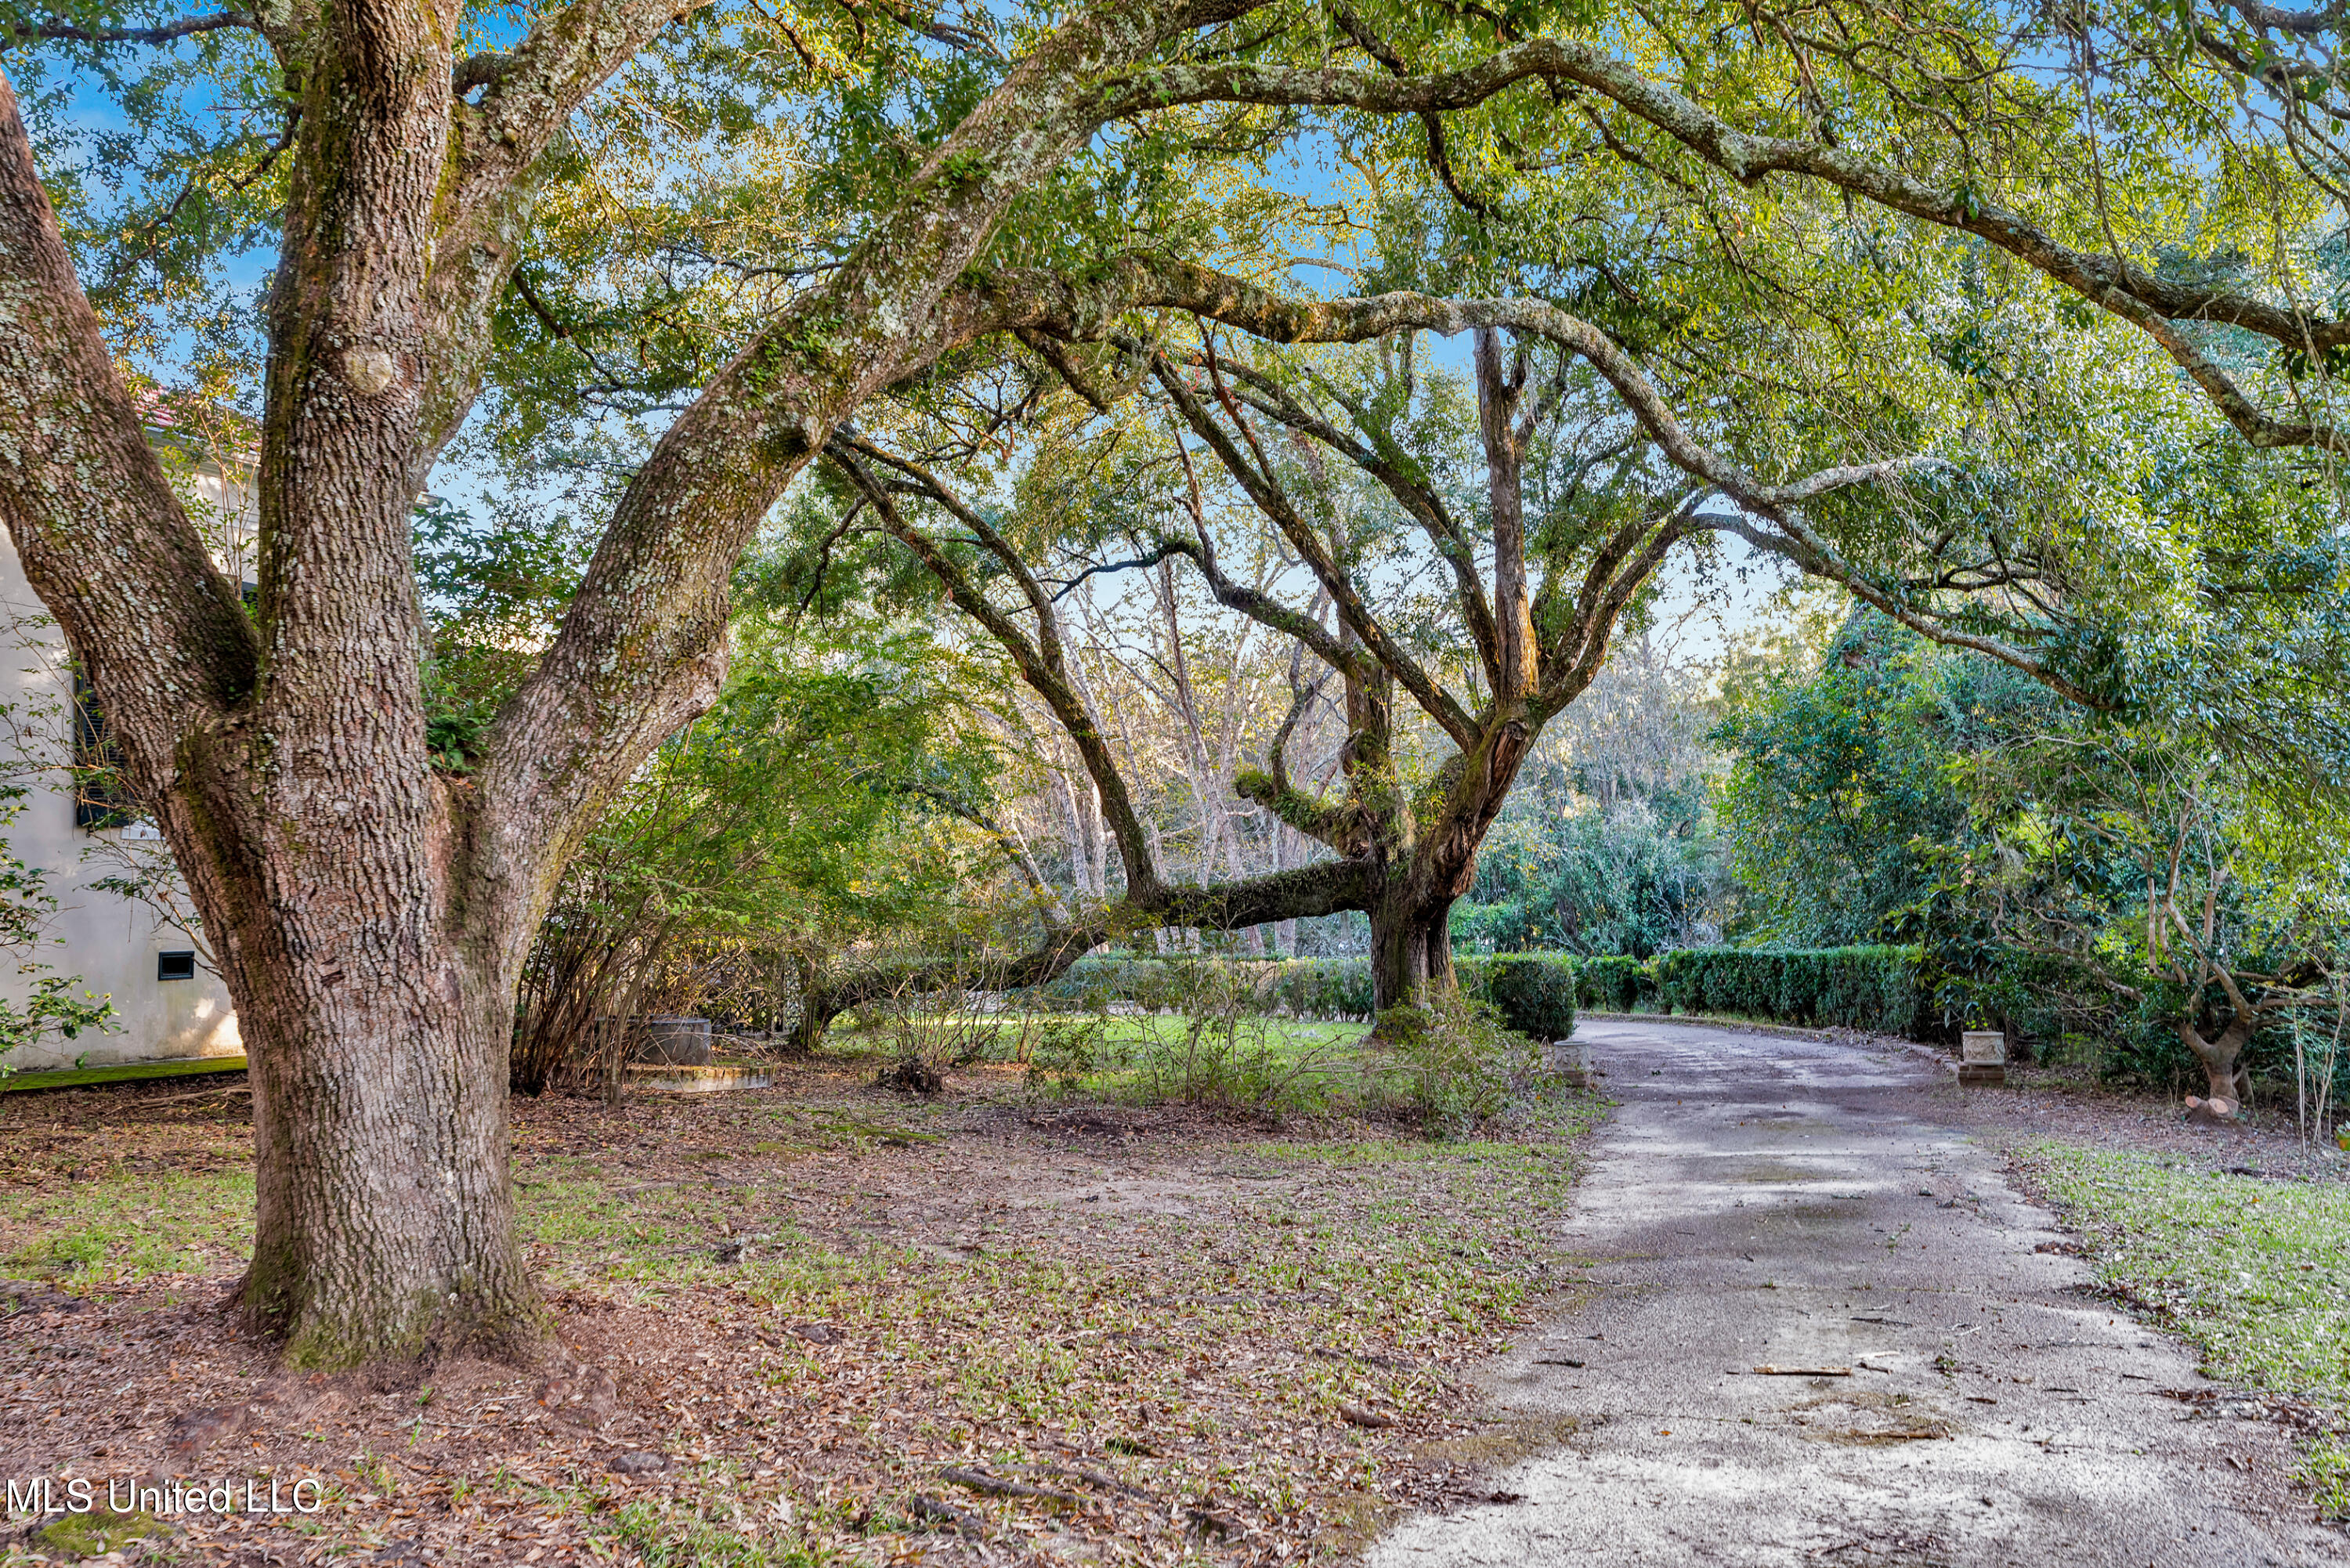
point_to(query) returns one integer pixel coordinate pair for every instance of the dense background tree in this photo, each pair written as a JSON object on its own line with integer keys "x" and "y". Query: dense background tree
{"x": 1839, "y": 806}
{"x": 2112, "y": 887}
{"x": 1607, "y": 847}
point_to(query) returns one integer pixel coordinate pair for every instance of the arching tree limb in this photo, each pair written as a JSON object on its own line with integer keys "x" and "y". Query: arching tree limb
{"x": 1327, "y": 887}
{"x": 1046, "y": 677}
{"x": 170, "y": 32}
{"x": 1144, "y": 281}
{"x": 2097, "y": 276}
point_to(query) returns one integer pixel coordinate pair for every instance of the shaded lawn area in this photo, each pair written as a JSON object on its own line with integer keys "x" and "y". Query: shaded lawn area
{"x": 850, "y": 1323}
{"x": 2255, "y": 1273}
{"x": 1285, "y": 1065}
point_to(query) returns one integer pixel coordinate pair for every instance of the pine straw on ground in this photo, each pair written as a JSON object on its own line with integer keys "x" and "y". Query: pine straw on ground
{"x": 818, "y": 1322}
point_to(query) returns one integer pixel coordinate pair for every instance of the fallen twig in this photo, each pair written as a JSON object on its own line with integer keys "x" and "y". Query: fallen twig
{"x": 1802, "y": 1371}
{"x": 1094, "y": 1478}
{"x": 998, "y": 1486}
{"x": 199, "y": 1095}
{"x": 931, "y": 1508}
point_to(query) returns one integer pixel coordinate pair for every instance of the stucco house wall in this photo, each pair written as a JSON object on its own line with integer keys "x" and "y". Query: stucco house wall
{"x": 112, "y": 942}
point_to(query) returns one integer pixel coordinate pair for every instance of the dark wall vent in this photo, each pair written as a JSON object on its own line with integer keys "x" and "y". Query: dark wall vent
{"x": 175, "y": 966}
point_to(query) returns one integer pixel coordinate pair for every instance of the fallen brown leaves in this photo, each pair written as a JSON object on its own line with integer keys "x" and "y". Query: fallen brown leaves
{"x": 826, "y": 1322}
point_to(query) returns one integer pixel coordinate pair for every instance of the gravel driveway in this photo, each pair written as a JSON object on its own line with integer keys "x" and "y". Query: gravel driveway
{"x": 1766, "y": 1200}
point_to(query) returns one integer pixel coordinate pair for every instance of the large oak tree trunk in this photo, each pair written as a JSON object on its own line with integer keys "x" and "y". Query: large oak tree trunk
{"x": 1411, "y": 921}
{"x": 395, "y": 1234}
{"x": 369, "y": 916}
{"x": 1412, "y": 949}
{"x": 283, "y": 755}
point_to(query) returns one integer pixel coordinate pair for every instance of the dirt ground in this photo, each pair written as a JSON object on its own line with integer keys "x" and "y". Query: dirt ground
{"x": 822, "y": 1321}
{"x": 828, "y": 1322}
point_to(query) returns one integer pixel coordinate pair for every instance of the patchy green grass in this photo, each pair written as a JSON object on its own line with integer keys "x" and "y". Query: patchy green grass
{"x": 98, "y": 1532}
{"x": 1205, "y": 1357}
{"x": 680, "y": 1532}
{"x": 126, "y": 1225}
{"x": 2255, "y": 1273}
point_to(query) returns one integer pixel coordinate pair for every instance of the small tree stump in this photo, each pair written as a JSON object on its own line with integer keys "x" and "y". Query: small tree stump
{"x": 2216, "y": 1111}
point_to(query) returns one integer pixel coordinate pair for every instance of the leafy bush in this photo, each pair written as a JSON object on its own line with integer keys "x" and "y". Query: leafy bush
{"x": 1062, "y": 1052}
{"x": 929, "y": 1031}
{"x": 1533, "y": 992}
{"x": 1453, "y": 1063}
{"x": 1872, "y": 988}
{"x": 1636, "y": 877}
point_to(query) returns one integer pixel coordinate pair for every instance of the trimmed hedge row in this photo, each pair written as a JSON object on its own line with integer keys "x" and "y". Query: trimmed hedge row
{"x": 1878, "y": 989}
{"x": 1614, "y": 984}
{"x": 1303, "y": 988}
{"x": 1873, "y": 988}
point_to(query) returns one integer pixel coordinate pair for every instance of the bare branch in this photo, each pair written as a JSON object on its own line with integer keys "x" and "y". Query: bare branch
{"x": 1147, "y": 559}
{"x": 1437, "y": 703}
{"x": 1263, "y": 608}
{"x": 1384, "y": 461}
{"x": 1045, "y": 675}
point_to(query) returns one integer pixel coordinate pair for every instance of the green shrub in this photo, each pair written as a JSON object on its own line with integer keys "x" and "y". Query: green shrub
{"x": 1453, "y": 1063}
{"x": 1533, "y": 992}
{"x": 1065, "y": 1050}
{"x": 1872, "y": 988}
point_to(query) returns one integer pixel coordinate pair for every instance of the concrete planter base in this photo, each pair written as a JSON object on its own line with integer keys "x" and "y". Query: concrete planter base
{"x": 686, "y": 1079}
{"x": 670, "y": 1042}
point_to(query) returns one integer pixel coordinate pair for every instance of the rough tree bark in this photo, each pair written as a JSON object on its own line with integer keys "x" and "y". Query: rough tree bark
{"x": 371, "y": 916}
